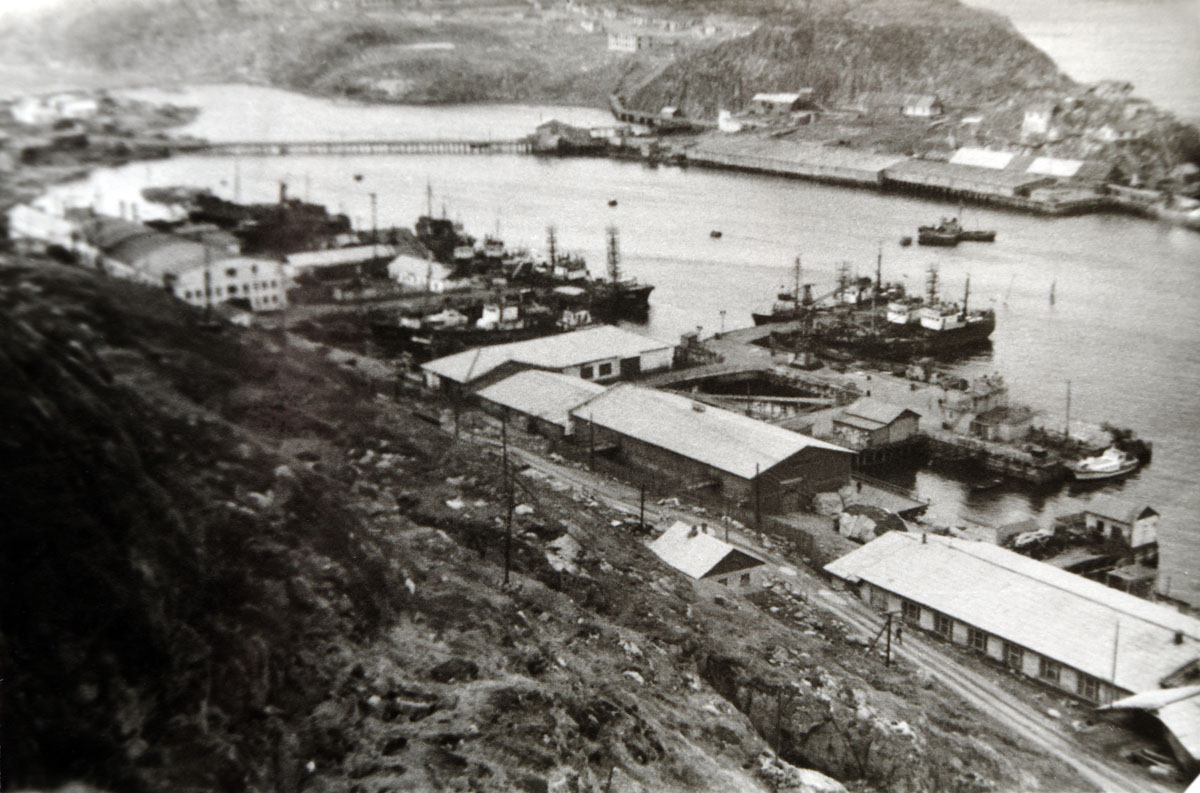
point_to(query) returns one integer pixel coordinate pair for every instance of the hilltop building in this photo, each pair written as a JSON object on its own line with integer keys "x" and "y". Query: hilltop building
{"x": 781, "y": 104}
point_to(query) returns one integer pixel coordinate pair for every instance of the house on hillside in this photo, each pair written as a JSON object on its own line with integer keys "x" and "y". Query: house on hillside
{"x": 1071, "y": 634}
{"x": 781, "y": 104}
{"x": 1039, "y": 118}
{"x": 898, "y": 104}
{"x": 700, "y": 447}
{"x": 713, "y": 564}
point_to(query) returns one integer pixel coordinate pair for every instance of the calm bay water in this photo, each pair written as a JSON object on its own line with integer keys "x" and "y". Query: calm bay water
{"x": 1124, "y": 329}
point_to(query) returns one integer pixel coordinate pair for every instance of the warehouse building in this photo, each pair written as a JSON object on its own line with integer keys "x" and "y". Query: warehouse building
{"x": 539, "y": 401}
{"x": 972, "y": 180}
{"x": 1072, "y": 634}
{"x": 699, "y": 447}
{"x": 602, "y": 354}
{"x": 793, "y": 158}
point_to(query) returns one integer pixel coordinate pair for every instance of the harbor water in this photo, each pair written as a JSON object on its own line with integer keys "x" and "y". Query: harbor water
{"x": 1123, "y": 328}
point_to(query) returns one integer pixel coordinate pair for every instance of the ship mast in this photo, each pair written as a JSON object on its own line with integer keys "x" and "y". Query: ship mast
{"x": 843, "y": 279}
{"x": 428, "y": 199}
{"x": 966, "y": 295}
{"x": 931, "y": 287}
{"x": 614, "y": 256}
{"x": 879, "y": 272}
{"x": 796, "y": 286}
{"x": 551, "y": 245}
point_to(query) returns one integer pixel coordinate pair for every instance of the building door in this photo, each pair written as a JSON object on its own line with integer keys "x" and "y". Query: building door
{"x": 630, "y": 367}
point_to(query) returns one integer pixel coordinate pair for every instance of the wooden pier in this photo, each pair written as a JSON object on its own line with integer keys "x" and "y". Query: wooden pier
{"x": 358, "y": 147}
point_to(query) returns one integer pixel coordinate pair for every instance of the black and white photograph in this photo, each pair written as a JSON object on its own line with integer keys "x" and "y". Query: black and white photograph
{"x": 589, "y": 396}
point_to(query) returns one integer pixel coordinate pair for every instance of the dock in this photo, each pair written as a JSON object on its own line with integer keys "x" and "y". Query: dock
{"x": 357, "y": 147}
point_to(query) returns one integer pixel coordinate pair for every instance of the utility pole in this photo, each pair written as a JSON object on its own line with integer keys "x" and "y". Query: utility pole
{"x": 757, "y": 500}
{"x": 888, "y": 659}
{"x": 374, "y": 230}
{"x": 642, "y": 508}
{"x": 508, "y": 494}
{"x": 591, "y": 443}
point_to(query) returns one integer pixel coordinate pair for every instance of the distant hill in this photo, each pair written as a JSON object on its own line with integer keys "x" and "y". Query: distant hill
{"x": 963, "y": 55}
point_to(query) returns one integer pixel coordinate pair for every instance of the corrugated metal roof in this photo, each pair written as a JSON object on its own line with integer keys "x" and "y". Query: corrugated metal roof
{"x": 721, "y": 438}
{"x": 549, "y": 352}
{"x": 1057, "y": 614}
{"x": 982, "y": 158}
{"x": 158, "y": 255}
{"x": 694, "y": 555}
{"x": 547, "y": 395}
{"x": 870, "y": 425}
{"x": 334, "y": 256}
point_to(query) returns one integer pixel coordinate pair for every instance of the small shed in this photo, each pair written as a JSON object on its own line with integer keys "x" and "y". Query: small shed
{"x": 872, "y": 423}
{"x": 715, "y": 565}
{"x": 1133, "y": 525}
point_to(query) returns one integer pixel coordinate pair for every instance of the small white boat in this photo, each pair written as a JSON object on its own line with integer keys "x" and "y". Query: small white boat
{"x": 1113, "y": 462}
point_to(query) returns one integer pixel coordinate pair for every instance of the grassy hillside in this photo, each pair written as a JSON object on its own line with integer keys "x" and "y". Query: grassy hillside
{"x": 231, "y": 564}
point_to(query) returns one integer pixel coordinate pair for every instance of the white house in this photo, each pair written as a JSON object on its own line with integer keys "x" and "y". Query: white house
{"x": 713, "y": 564}
{"x": 1038, "y": 119}
{"x": 258, "y": 282}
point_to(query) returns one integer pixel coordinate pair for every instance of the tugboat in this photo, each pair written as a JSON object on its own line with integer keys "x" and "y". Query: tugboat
{"x": 789, "y": 305}
{"x": 949, "y": 232}
{"x": 1113, "y": 462}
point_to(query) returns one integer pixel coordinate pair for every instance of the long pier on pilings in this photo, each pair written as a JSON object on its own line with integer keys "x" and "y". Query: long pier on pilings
{"x": 358, "y": 147}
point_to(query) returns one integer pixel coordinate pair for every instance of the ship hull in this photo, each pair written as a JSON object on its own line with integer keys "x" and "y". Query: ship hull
{"x": 1093, "y": 476}
{"x": 937, "y": 239}
{"x": 429, "y": 343}
{"x": 917, "y": 342}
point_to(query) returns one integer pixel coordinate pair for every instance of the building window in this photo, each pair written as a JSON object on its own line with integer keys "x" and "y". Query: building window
{"x": 1014, "y": 655}
{"x": 272, "y": 284}
{"x": 879, "y": 598}
{"x": 1088, "y": 687}
{"x": 605, "y": 369}
{"x": 233, "y": 289}
{"x": 1048, "y": 670}
{"x": 977, "y": 639}
{"x": 586, "y": 373}
{"x": 723, "y": 581}
{"x": 910, "y": 611}
{"x": 744, "y": 581}
{"x": 254, "y": 269}
{"x": 231, "y": 272}
{"x": 217, "y": 291}
{"x": 943, "y": 625}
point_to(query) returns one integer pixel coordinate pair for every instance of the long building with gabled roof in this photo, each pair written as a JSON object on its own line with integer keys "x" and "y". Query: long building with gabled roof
{"x": 698, "y": 446}
{"x": 1071, "y": 633}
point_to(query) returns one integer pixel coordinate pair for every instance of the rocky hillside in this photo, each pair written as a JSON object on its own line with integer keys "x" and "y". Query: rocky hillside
{"x": 841, "y": 49}
{"x": 231, "y": 563}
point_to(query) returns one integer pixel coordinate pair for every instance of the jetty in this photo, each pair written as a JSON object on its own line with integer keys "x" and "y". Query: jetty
{"x": 356, "y": 147}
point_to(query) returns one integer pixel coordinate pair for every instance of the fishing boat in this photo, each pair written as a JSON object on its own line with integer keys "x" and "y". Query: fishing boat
{"x": 716, "y": 235}
{"x": 949, "y": 232}
{"x": 1113, "y": 462}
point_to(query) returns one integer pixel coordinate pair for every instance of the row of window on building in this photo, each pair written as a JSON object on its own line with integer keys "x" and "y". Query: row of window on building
{"x": 1049, "y": 670}
{"x": 602, "y": 370}
{"x": 232, "y": 289}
